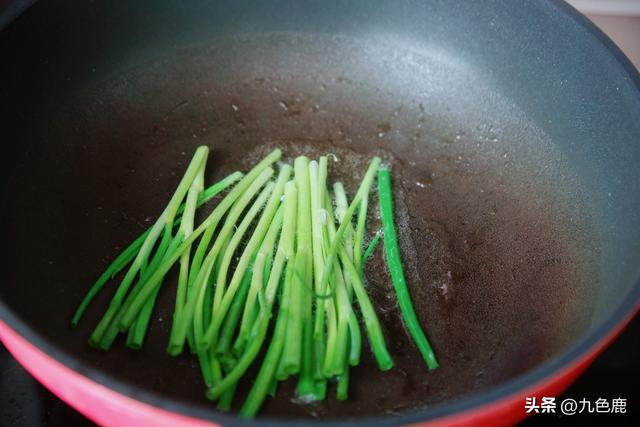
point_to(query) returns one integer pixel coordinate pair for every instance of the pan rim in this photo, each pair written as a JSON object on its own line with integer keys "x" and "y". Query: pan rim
{"x": 586, "y": 344}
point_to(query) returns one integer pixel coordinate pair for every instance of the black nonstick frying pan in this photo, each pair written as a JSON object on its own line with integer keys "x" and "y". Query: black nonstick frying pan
{"x": 512, "y": 127}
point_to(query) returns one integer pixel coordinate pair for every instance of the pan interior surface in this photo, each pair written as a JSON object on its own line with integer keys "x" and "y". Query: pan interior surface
{"x": 496, "y": 231}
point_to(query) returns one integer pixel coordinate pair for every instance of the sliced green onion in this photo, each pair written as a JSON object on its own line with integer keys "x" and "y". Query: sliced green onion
{"x": 202, "y": 280}
{"x": 372, "y": 324}
{"x": 164, "y": 221}
{"x": 249, "y": 252}
{"x": 297, "y": 253}
{"x": 370, "y": 249}
{"x": 336, "y": 244}
{"x": 155, "y": 280}
{"x": 263, "y": 267}
{"x": 130, "y": 252}
{"x": 266, "y": 375}
{"x": 397, "y": 273}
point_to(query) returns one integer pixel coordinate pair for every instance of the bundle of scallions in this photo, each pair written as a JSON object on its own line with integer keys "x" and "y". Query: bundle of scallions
{"x": 279, "y": 247}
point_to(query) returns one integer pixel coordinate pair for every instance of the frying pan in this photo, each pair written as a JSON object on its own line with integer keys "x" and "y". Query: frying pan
{"x": 512, "y": 128}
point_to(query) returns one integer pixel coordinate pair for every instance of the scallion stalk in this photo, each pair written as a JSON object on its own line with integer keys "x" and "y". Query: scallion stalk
{"x": 228, "y": 228}
{"x": 397, "y": 273}
{"x": 372, "y": 324}
{"x": 165, "y": 218}
{"x": 155, "y": 280}
{"x": 284, "y": 254}
{"x": 249, "y": 252}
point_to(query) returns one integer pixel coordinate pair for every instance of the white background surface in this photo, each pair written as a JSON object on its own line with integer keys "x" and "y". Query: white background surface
{"x": 619, "y": 19}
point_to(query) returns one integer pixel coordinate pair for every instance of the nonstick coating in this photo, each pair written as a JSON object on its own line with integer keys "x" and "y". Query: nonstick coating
{"x": 497, "y": 277}
{"x": 502, "y": 235}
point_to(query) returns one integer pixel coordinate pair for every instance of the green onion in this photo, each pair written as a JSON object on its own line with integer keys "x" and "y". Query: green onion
{"x": 112, "y": 331}
{"x": 216, "y": 369}
{"x": 249, "y": 252}
{"x": 354, "y": 330}
{"x": 256, "y": 339}
{"x": 139, "y": 328}
{"x": 284, "y": 254}
{"x": 369, "y": 251}
{"x": 305, "y": 387}
{"x": 130, "y": 252}
{"x": 292, "y": 355}
{"x": 179, "y": 330}
{"x": 341, "y": 208}
{"x": 319, "y": 218}
{"x": 342, "y": 388}
{"x": 301, "y": 263}
{"x": 266, "y": 375}
{"x": 202, "y": 280}
{"x": 358, "y": 258}
{"x": 336, "y": 243}
{"x": 118, "y": 264}
{"x": 372, "y": 324}
{"x": 260, "y": 279}
{"x": 187, "y": 228}
{"x": 217, "y": 310}
{"x": 233, "y": 317}
{"x": 164, "y": 221}
{"x": 395, "y": 268}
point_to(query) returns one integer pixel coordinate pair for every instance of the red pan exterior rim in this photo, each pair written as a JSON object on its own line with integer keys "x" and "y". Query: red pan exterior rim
{"x": 97, "y": 402}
